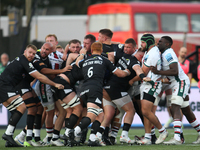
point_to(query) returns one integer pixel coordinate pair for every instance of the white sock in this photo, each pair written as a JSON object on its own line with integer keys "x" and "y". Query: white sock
{"x": 124, "y": 133}
{"x": 162, "y": 129}
{"x": 99, "y": 135}
{"x": 67, "y": 131}
{"x": 36, "y": 132}
{"x": 22, "y": 134}
{"x": 92, "y": 137}
{"x": 49, "y": 134}
{"x": 29, "y": 132}
{"x": 153, "y": 131}
{"x": 55, "y": 136}
{"x": 177, "y": 129}
{"x": 10, "y": 129}
{"x": 77, "y": 130}
{"x": 195, "y": 125}
{"x": 147, "y": 135}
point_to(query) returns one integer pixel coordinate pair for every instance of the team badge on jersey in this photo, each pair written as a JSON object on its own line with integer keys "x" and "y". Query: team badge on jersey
{"x": 128, "y": 61}
{"x": 120, "y": 45}
{"x": 31, "y": 65}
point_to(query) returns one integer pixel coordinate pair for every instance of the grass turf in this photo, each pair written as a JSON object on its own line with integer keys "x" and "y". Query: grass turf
{"x": 189, "y": 133}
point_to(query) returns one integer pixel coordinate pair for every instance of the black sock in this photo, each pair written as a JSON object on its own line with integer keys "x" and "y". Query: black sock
{"x": 72, "y": 121}
{"x": 38, "y": 120}
{"x": 101, "y": 130}
{"x": 57, "y": 133}
{"x": 126, "y": 127}
{"x": 85, "y": 122}
{"x": 106, "y": 131}
{"x": 95, "y": 127}
{"x": 15, "y": 117}
{"x": 29, "y": 123}
{"x": 66, "y": 122}
{"x": 24, "y": 130}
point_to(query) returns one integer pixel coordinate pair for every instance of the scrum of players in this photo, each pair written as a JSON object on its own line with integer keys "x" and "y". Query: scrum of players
{"x": 102, "y": 83}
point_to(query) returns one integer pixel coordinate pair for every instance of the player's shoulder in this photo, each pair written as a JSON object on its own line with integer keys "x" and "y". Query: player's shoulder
{"x": 154, "y": 49}
{"x": 169, "y": 55}
{"x": 58, "y": 53}
{"x": 169, "y": 51}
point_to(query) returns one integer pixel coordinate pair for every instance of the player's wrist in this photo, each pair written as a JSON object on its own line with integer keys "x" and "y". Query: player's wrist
{"x": 142, "y": 76}
{"x": 127, "y": 72}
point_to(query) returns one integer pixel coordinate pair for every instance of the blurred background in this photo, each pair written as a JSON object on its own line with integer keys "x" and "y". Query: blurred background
{"x": 29, "y": 21}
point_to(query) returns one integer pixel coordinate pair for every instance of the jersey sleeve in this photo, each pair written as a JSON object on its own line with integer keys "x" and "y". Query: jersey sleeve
{"x": 28, "y": 66}
{"x": 170, "y": 58}
{"x": 151, "y": 58}
{"x": 39, "y": 65}
{"x": 147, "y": 61}
{"x": 119, "y": 52}
{"x": 134, "y": 62}
{"x": 80, "y": 63}
{"x": 110, "y": 66}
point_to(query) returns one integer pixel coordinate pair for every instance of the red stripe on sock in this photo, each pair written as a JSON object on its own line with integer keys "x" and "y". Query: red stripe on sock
{"x": 192, "y": 121}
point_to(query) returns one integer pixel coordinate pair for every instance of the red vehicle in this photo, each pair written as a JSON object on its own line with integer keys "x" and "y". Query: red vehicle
{"x": 181, "y": 21}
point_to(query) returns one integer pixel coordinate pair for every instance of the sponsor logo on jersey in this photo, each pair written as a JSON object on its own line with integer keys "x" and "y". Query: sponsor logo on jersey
{"x": 123, "y": 94}
{"x": 146, "y": 57}
{"x": 10, "y": 94}
{"x": 24, "y": 90}
{"x": 97, "y": 101}
{"x": 41, "y": 64}
{"x": 169, "y": 57}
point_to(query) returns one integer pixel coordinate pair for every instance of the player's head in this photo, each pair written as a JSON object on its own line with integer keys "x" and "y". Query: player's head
{"x": 139, "y": 54}
{"x": 4, "y": 59}
{"x": 164, "y": 43}
{"x": 183, "y": 52}
{"x": 147, "y": 40}
{"x": 104, "y": 35}
{"x": 74, "y": 46}
{"x": 52, "y": 38}
{"x": 168, "y": 39}
{"x": 129, "y": 46}
{"x": 88, "y": 40}
{"x": 96, "y": 47}
{"x": 46, "y": 49}
{"x": 60, "y": 48}
{"x": 30, "y": 52}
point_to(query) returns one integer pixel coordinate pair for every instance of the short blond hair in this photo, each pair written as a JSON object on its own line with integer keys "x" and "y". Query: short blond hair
{"x": 50, "y": 35}
{"x": 31, "y": 46}
{"x": 59, "y": 46}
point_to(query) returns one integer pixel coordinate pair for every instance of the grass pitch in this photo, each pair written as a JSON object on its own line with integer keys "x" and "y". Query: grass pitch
{"x": 189, "y": 133}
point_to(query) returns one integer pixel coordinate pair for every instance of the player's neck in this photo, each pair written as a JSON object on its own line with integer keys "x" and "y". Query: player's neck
{"x": 180, "y": 59}
{"x": 108, "y": 42}
{"x": 96, "y": 53}
{"x": 150, "y": 47}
